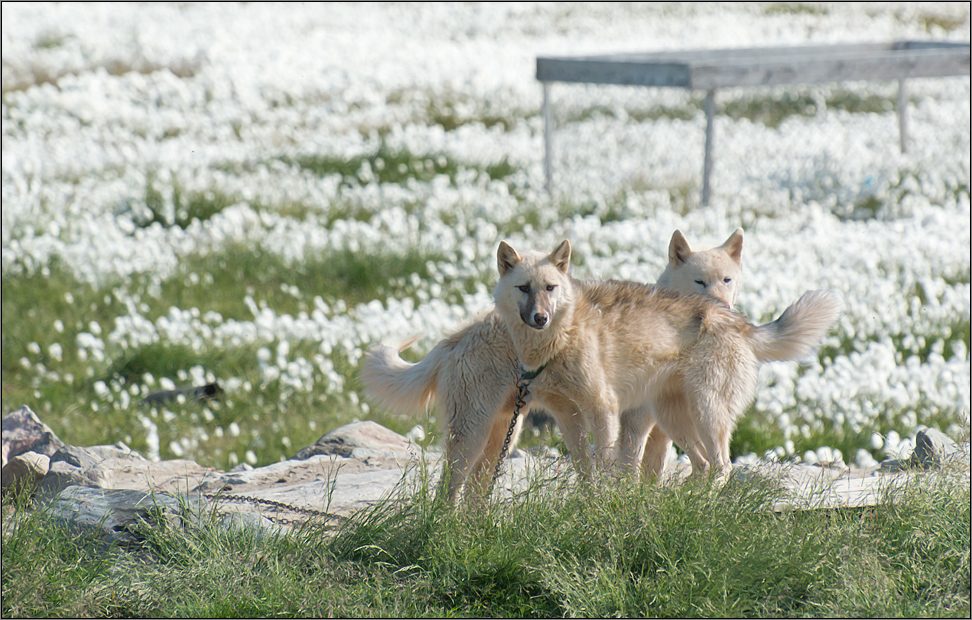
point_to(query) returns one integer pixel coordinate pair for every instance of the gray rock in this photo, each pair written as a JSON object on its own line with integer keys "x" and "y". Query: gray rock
{"x": 74, "y": 466}
{"x": 23, "y": 432}
{"x": 24, "y": 472}
{"x": 119, "y": 450}
{"x": 365, "y": 454}
{"x": 932, "y": 448}
{"x": 355, "y": 466}
{"x": 254, "y": 522}
{"x": 343, "y": 440}
{"x": 895, "y": 465}
{"x": 120, "y": 515}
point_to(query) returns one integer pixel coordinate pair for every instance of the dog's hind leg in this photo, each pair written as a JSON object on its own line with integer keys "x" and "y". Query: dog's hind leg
{"x": 716, "y": 444}
{"x": 480, "y": 481}
{"x": 462, "y": 451}
{"x": 676, "y": 419}
{"x": 725, "y": 378}
{"x": 636, "y": 426}
{"x": 716, "y": 419}
{"x": 655, "y": 455}
{"x": 471, "y": 419}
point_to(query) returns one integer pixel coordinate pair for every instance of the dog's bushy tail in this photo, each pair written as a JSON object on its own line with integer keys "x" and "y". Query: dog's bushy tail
{"x": 800, "y": 328}
{"x": 398, "y": 385}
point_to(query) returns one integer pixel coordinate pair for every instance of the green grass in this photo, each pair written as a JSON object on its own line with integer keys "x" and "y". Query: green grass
{"x": 225, "y": 277}
{"x": 387, "y": 165}
{"x": 794, "y": 8}
{"x": 447, "y": 115}
{"x": 772, "y": 111}
{"x": 181, "y": 209}
{"x": 554, "y": 551}
{"x": 273, "y": 422}
{"x": 754, "y": 105}
{"x": 945, "y": 22}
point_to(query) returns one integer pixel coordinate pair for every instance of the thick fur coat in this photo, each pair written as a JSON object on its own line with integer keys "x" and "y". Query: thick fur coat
{"x": 685, "y": 363}
{"x": 471, "y": 375}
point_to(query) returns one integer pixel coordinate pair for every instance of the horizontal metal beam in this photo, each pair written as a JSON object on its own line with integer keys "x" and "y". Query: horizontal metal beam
{"x": 770, "y": 66}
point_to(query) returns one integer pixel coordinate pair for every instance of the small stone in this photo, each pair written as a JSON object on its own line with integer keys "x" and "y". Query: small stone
{"x": 932, "y": 447}
{"x": 24, "y": 472}
{"x": 24, "y": 432}
{"x": 343, "y": 440}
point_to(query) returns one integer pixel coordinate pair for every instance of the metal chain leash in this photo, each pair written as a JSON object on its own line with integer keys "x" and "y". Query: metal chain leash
{"x": 311, "y": 512}
{"x": 522, "y": 398}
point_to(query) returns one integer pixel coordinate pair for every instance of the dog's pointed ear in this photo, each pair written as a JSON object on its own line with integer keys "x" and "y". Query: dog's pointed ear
{"x": 733, "y": 245}
{"x": 679, "y": 249}
{"x": 506, "y": 258}
{"x": 560, "y": 257}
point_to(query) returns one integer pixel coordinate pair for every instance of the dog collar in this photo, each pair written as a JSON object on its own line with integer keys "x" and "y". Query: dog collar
{"x": 531, "y": 375}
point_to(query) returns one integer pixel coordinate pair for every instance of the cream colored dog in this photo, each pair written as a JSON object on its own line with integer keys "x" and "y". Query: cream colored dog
{"x": 684, "y": 363}
{"x": 473, "y": 373}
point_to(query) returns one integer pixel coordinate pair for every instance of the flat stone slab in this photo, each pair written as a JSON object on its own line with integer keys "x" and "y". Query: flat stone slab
{"x": 811, "y": 487}
{"x": 327, "y": 490}
{"x": 109, "y": 467}
{"x": 365, "y": 464}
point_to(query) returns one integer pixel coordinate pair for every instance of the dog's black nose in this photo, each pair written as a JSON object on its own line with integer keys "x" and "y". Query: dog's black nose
{"x": 539, "y": 319}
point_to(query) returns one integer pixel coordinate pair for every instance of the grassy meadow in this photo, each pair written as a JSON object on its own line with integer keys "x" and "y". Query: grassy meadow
{"x": 177, "y": 212}
{"x": 624, "y": 551}
{"x": 255, "y": 194}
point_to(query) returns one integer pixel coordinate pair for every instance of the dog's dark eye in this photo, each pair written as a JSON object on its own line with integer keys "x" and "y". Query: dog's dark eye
{"x": 727, "y": 280}
{"x": 551, "y": 287}
{"x": 700, "y": 283}
{"x": 524, "y": 287}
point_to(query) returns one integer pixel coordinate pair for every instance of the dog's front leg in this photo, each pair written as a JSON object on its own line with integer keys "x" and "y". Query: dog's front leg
{"x": 605, "y": 422}
{"x": 572, "y": 428}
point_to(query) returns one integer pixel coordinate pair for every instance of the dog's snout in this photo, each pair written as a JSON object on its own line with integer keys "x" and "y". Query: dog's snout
{"x": 540, "y": 319}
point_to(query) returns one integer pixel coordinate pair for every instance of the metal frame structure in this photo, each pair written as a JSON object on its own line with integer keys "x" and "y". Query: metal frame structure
{"x": 710, "y": 70}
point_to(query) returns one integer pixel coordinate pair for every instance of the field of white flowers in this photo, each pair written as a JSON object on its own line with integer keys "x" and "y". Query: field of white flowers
{"x": 205, "y": 184}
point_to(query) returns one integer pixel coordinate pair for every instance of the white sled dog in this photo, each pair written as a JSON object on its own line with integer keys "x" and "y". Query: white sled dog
{"x": 473, "y": 373}
{"x": 684, "y": 363}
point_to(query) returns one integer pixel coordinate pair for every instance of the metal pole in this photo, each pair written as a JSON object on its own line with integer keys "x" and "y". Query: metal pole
{"x": 547, "y": 141}
{"x": 709, "y": 134}
{"x": 903, "y": 114}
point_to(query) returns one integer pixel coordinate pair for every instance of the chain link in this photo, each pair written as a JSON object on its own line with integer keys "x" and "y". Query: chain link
{"x": 522, "y": 393}
{"x": 311, "y": 512}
